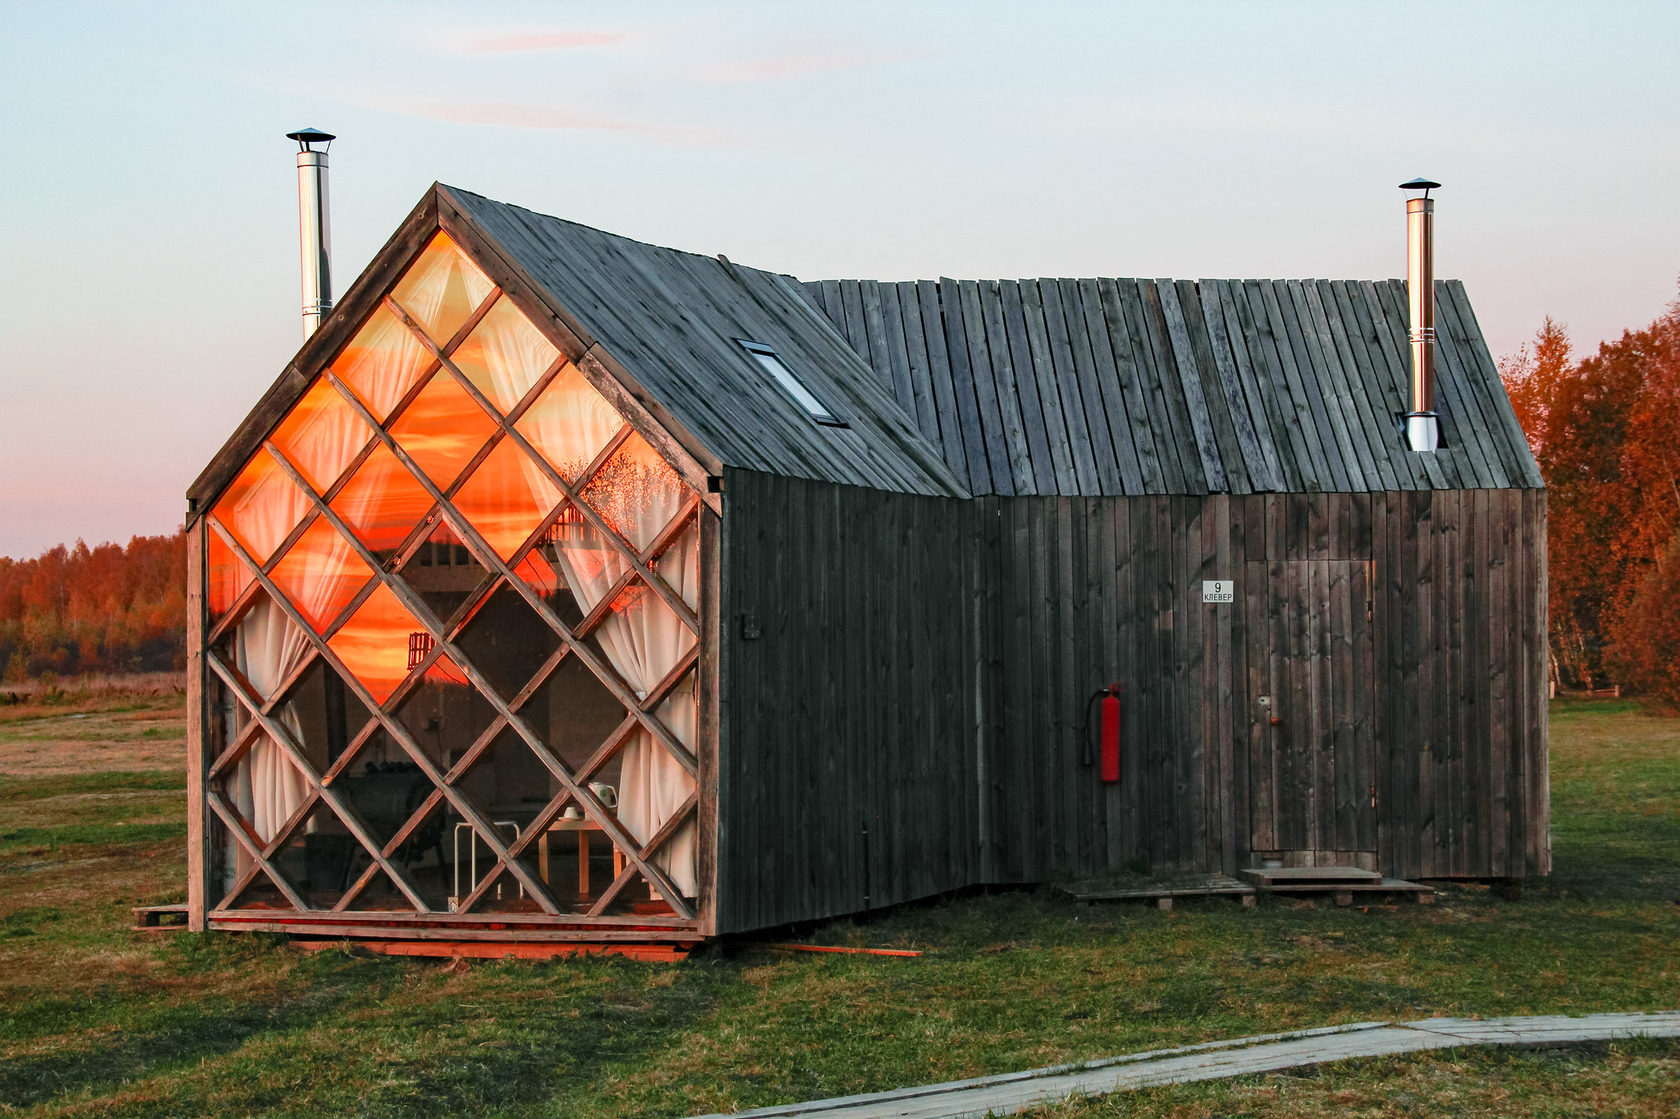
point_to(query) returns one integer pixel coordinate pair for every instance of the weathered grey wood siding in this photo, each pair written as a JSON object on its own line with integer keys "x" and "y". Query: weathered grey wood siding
{"x": 846, "y": 757}
{"x": 926, "y": 664}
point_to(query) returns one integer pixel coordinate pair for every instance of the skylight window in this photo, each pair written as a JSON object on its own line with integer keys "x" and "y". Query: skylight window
{"x": 784, "y": 376}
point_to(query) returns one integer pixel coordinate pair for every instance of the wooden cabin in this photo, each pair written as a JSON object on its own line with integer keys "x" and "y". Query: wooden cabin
{"x": 569, "y": 588}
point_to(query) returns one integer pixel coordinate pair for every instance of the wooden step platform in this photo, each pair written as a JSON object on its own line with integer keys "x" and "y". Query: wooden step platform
{"x": 159, "y": 918}
{"x": 1341, "y": 882}
{"x": 1162, "y": 892}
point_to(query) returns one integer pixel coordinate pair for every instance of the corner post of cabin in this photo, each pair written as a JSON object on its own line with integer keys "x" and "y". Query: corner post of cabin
{"x": 708, "y": 740}
{"x": 198, "y": 847}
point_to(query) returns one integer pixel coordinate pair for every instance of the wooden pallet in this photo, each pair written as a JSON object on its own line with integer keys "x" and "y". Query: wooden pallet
{"x": 1341, "y": 882}
{"x": 1162, "y": 893}
{"x": 159, "y": 918}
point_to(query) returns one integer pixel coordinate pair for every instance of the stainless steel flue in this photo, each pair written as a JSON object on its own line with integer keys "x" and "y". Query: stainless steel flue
{"x": 314, "y": 228}
{"x": 1422, "y": 424}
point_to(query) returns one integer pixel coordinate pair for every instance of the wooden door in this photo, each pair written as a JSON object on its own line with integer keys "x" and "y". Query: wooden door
{"x": 1312, "y": 772}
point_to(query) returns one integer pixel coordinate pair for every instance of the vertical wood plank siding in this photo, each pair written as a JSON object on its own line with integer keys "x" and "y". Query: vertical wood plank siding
{"x": 910, "y": 720}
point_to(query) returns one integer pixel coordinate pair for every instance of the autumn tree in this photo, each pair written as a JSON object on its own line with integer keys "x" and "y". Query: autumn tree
{"x": 1606, "y": 433}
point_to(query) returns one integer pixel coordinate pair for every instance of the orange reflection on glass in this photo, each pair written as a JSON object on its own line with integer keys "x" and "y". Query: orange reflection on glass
{"x": 373, "y": 644}
{"x": 382, "y": 362}
{"x": 320, "y": 573}
{"x": 321, "y": 435}
{"x": 538, "y": 574}
{"x": 382, "y": 502}
{"x": 636, "y": 492}
{"x": 261, "y": 506}
{"x": 442, "y": 429}
{"x": 504, "y": 355}
{"x": 441, "y": 289}
{"x": 569, "y": 423}
{"x": 226, "y": 579}
{"x": 507, "y": 498}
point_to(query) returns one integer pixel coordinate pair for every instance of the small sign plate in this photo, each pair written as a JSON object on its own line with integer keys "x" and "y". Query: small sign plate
{"x": 1218, "y": 590}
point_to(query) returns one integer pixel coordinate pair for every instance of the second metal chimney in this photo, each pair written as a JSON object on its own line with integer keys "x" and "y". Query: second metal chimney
{"x": 1422, "y": 424}
{"x": 314, "y": 230}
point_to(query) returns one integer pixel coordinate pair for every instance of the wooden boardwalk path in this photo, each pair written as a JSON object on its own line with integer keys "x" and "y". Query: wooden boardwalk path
{"x": 1014, "y": 1092}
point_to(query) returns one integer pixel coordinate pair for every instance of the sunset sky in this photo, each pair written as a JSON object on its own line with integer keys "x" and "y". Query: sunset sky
{"x": 149, "y": 291}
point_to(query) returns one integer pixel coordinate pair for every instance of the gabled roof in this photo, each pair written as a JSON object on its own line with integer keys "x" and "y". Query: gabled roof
{"x": 1124, "y": 386}
{"x": 968, "y": 387}
{"x": 672, "y": 319}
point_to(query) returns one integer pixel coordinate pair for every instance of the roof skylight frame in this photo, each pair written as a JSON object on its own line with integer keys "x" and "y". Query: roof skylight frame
{"x": 771, "y": 362}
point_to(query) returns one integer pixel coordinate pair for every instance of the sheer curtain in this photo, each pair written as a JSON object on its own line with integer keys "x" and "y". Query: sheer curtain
{"x": 267, "y": 646}
{"x": 643, "y": 639}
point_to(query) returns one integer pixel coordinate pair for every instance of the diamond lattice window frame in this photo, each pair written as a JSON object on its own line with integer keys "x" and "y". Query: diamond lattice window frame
{"x": 218, "y": 751}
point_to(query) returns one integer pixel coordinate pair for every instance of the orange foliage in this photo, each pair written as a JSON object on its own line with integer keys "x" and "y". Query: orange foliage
{"x": 107, "y": 608}
{"x": 1606, "y": 432}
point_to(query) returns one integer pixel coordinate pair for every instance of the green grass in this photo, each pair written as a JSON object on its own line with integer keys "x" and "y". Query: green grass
{"x": 97, "y": 1020}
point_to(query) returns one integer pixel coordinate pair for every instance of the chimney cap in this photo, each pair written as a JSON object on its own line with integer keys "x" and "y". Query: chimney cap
{"x": 307, "y": 136}
{"x": 1421, "y": 183}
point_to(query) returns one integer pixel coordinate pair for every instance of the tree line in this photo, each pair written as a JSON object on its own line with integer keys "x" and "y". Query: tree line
{"x": 108, "y": 608}
{"x": 1606, "y": 432}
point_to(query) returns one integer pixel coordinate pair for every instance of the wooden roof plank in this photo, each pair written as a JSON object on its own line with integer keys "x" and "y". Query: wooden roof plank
{"x": 1003, "y": 453}
{"x": 1009, "y": 396}
{"x": 1369, "y": 437}
{"x": 1170, "y": 422}
{"x": 1094, "y": 388}
{"x": 1280, "y": 306}
{"x": 1040, "y": 407}
{"x": 882, "y": 299}
{"x": 962, "y": 381}
{"x": 1261, "y": 466}
{"x": 1063, "y": 401}
{"x": 1189, "y": 384}
{"x": 1233, "y": 454}
{"x": 1159, "y": 467}
{"x": 953, "y": 433}
{"x": 916, "y": 353}
{"x": 1231, "y": 346}
{"x": 1321, "y": 465}
{"x": 1077, "y": 396}
{"x": 1141, "y": 476}
{"x": 857, "y": 331}
{"x": 1252, "y": 344}
{"x": 1362, "y": 475}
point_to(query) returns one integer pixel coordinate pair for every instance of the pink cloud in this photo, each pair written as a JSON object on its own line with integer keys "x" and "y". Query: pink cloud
{"x": 794, "y": 64}
{"x": 507, "y": 114}
{"x": 546, "y": 41}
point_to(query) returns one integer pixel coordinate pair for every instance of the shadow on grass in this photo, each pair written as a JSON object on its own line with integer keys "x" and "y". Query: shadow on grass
{"x": 399, "y": 1037}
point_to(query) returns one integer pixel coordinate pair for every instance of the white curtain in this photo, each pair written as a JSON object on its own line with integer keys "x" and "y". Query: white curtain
{"x": 643, "y": 639}
{"x": 266, "y": 787}
{"x": 504, "y": 355}
{"x": 441, "y": 289}
{"x": 267, "y": 647}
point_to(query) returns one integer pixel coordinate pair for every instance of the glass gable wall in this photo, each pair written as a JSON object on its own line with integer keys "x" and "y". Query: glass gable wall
{"x": 453, "y": 637}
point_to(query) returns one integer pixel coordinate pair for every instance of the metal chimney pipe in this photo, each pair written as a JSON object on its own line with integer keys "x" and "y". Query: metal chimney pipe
{"x": 1422, "y": 424}
{"x": 314, "y": 228}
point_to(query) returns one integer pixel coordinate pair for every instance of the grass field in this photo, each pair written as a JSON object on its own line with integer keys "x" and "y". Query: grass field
{"x": 95, "y": 1020}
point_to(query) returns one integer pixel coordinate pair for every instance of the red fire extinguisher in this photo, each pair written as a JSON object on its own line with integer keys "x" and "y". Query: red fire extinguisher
{"x": 1106, "y": 730}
